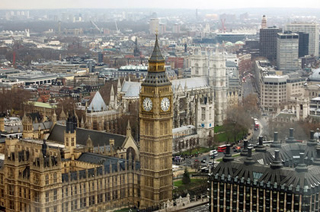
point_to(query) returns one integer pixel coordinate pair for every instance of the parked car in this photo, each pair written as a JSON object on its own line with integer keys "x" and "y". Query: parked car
{"x": 213, "y": 152}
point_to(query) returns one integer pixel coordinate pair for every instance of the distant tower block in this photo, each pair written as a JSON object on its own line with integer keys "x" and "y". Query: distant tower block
{"x": 264, "y": 22}
{"x": 59, "y": 27}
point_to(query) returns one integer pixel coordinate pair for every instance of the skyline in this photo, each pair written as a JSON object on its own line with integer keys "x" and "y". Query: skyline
{"x": 164, "y": 4}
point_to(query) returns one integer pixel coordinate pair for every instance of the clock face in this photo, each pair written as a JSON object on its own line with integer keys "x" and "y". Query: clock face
{"x": 147, "y": 104}
{"x": 165, "y": 104}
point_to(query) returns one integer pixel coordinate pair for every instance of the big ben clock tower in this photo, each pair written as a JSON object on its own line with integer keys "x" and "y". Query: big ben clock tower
{"x": 156, "y": 114}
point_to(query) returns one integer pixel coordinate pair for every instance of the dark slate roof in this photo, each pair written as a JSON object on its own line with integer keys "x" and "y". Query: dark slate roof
{"x": 104, "y": 160}
{"x": 263, "y": 172}
{"x": 262, "y": 175}
{"x": 98, "y": 138}
{"x": 99, "y": 159}
{"x": 156, "y": 79}
{"x": 110, "y": 164}
{"x": 156, "y": 54}
{"x": 265, "y": 158}
{"x": 289, "y": 154}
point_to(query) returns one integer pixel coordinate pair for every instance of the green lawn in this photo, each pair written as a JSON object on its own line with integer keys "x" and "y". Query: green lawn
{"x": 178, "y": 183}
{"x": 222, "y": 137}
{"x": 195, "y": 151}
{"x": 218, "y": 129}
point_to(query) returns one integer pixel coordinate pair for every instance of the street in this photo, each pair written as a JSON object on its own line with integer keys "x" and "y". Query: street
{"x": 247, "y": 87}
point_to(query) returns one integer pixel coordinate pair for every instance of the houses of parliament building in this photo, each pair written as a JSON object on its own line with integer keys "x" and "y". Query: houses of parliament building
{"x": 78, "y": 169}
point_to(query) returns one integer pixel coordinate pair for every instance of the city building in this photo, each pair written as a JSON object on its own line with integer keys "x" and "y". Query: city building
{"x": 154, "y": 26}
{"x": 213, "y": 67}
{"x": 206, "y": 92}
{"x": 273, "y": 92}
{"x": 303, "y": 44}
{"x": 313, "y": 30}
{"x": 277, "y": 92}
{"x": 77, "y": 169}
{"x": 264, "y": 22}
{"x": 176, "y": 29}
{"x": 283, "y": 177}
{"x": 268, "y": 43}
{"x": 288, "y": 51}
{"x": 315, "y": 106}
{"x": 100, "y": 57}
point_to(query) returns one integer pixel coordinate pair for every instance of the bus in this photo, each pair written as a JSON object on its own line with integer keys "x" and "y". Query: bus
{"x": 256, "y": 125}
{"x": 222, "y": 148}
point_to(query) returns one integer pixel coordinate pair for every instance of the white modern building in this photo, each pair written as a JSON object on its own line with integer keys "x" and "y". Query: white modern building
{"x": 273, "y": 91}
{"x": 154, "y": 26}
{"x": 313, "y": 30}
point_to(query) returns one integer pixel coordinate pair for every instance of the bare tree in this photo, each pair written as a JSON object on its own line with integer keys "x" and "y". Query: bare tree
{"x": 238, "y": 121}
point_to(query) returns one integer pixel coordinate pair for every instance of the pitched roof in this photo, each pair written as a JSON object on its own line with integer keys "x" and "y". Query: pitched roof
{"x": 156, "y": 54}
{"x": 132, "y": 89}
{"x": 98, "y": 138}
{"x": 97, "y": 103}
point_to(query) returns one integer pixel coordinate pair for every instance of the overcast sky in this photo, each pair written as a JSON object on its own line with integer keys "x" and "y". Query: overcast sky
{"x": 195, "y": 4}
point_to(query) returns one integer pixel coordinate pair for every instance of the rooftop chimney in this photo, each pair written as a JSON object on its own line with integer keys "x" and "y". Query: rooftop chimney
{"x": 260, "y": 147}
{"x": 275, "y": 143}
{"x": 276, "y": 163}
{"x": 312, "y": 141}
{"x": 244, "y": 151}
{"x": 302, "y": 167}
{"x": 291, "y": 139}
{"x": 317, "y": 159}
{"x": 249, "y": 160}
{"x": 228, "y": 156}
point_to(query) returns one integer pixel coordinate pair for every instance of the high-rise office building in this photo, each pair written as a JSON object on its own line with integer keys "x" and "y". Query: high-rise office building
{"x": 268, "y": 42}
{"x": 287, "y": 51}
{"x": 313, "y": 30}
{"x": 100, "y": 57}
{"x": 154, "y": 25}
{"x": 303, "y": 44}
{"x": 176, "y": 28}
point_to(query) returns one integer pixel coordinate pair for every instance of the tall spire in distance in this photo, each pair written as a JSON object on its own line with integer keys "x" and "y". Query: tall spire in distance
{"x": 264, "y": 22}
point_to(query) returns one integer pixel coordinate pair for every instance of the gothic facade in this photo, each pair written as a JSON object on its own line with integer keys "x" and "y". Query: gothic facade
{"x": 78, "y": 169}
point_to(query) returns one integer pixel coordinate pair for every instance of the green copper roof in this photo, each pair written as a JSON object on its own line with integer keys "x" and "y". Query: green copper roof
{"x": 156, "y": 54}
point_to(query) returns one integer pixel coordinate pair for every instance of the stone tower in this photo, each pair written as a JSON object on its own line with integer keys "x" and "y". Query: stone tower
{"x": 70, "y": 135}
{"x": 156, "y": 115}
{"x": 199, "y": 63}
{"x": 264, "y": 22}
{"x": 27, "y": 127}
{"x": 218, "y": 83}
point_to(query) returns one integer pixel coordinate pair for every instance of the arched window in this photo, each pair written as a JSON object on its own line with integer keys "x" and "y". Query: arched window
{"x": 47, "y": 179}
{"x": 130, "y": 151}
{"x": 55, "y": 178}
{"x": 196, "y": 68}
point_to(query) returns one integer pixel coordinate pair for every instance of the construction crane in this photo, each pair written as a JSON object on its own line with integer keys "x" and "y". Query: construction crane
{"x": 95, "y": 25}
